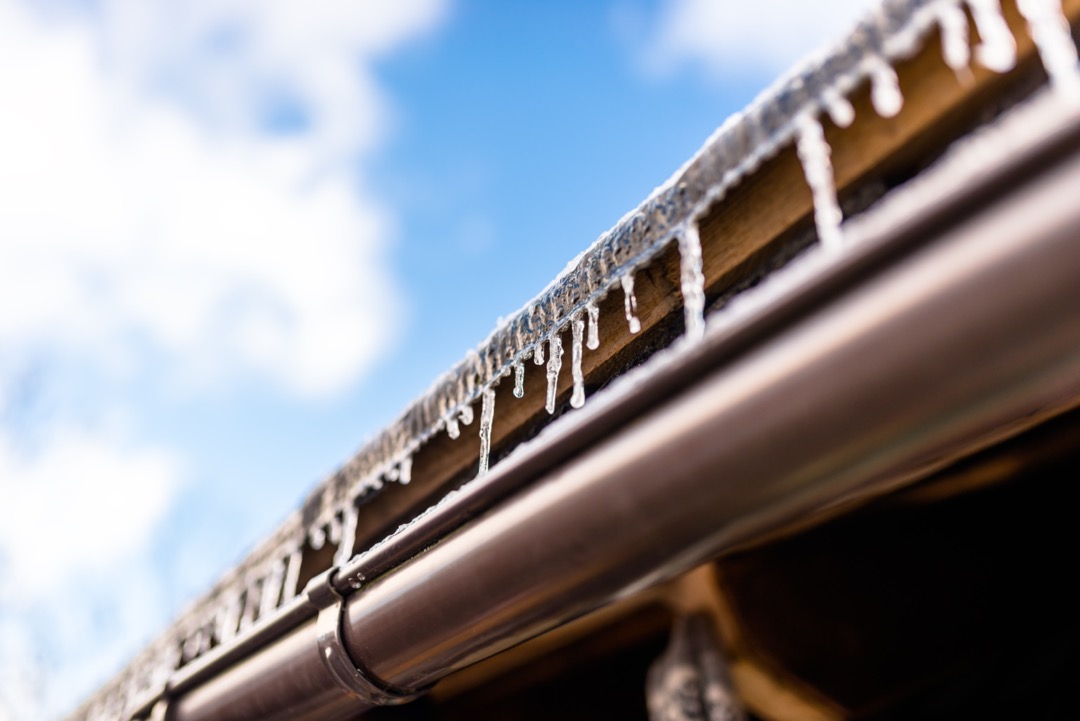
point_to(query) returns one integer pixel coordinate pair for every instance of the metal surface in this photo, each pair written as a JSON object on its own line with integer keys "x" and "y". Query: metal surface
{"x": 354, "y": 681}
{"x": 950, "y": 348}
{"x": 944, "y": 351}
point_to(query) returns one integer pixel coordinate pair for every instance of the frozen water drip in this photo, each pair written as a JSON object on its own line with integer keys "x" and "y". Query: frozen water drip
{"x": 519, "y": 380}
{"x": 554, "y": 365}
{"x": 487, "y": 414}
{"x": 593, "y": 341}
{"x": 997, "y": 47}
{"x": 885, "y": 92}
{"x": 692, "y": 279}
{"x": 630, "y": 302}
{"x": 577, "y": 331}
{"x": 1050, "y": 30}
{"x": 813, "y": 151}
{"x": 955, "y": 46}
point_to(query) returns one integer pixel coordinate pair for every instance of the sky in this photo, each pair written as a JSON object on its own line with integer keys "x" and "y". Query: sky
{"x": 238, "y": 236}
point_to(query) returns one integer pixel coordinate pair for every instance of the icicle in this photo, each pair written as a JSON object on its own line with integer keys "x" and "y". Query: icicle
{"x": 1050, "y": 30}
{"x": 538, "y": 353}
{"x": 631, "y": 302}
{"x": 405, "y": 471}
{"x": 251, "y": 605}
{"x": 317, "y": 538}
{"x": 465, "y": 415}
{"x": 230, "y": 618}
{"x": 885, "y": 92}
{"x": 292, "y": 576}
{"x": 814, "y": 152}
{"x": 955, "y": 47}
{"x": 453, "y": 429}
{"x": 554, "y": 365}
{"x": 593, "y": 341}
{"x": 997, "y": 47}
{"x": 346, "y": 534}
{"x": 335, "y": 529}
{"x": 838, "y": 107}
{"x": 487, "y": 413}
{"x": 272, "y": 589}
{"x": 692, "y": 279}
{"x": 519, "y": 380}
{"x": 577, "y": 330}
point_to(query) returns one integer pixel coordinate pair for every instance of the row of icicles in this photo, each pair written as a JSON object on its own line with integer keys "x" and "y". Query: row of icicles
{"x": 997, "y": 51}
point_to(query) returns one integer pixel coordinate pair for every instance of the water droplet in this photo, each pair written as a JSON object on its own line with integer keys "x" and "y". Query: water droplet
{"x": 577, "y": 331}
{"x": 554, "y": 365}
{"x": 630, "y": 302}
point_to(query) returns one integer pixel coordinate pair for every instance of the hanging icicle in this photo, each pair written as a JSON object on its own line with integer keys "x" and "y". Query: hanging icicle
{"x": 538, "y": 353}
{"x": 1052, "y": 34}
{"x": 453, "y": 429}
{"x": 885, "y": 93}
{"x": 346, "y": 534}
{"x": 692, "y": 279}
{"x": 630, "y": 302}
{"x": 292, "y": 573}
{"x": 519, "y": 380}
{"x": 230, "y": 617}
{"x": 813, "y": 151}
{"x": 405, "y": 471}
{"x": 997, "y": 46}
{"x": 577, "y": 332}
{"x": 955, "y": 45}
{"x": 839, "y": 108}
{"x": 272, "y": 589}
{"x": 554, "y": 365}
{"x": 317, "y": 538}
{"x": 465, "y": 415}
{"x": 593, "y": 341}
{"x": 487, "y": 414}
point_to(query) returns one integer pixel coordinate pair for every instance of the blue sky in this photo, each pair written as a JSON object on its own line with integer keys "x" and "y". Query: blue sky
{"x": 237, "y": 237}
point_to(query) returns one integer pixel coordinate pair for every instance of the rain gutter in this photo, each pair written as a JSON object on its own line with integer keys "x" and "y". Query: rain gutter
{"x": 951, "y": 322}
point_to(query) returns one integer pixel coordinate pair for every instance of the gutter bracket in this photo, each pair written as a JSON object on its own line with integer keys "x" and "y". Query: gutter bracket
{"x": 350, "y": 677}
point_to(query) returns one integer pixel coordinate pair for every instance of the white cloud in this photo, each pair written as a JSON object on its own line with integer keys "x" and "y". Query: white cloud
{"x": 181, "y": 200}
{"x": 734, "y": 38}
{"x": 78, "y": 512}
{"x": 148, "y": 204}
{"x": 76, "y": 501}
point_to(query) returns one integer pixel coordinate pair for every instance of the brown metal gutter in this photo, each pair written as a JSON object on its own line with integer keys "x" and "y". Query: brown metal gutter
{"x": 954, "y": 326}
